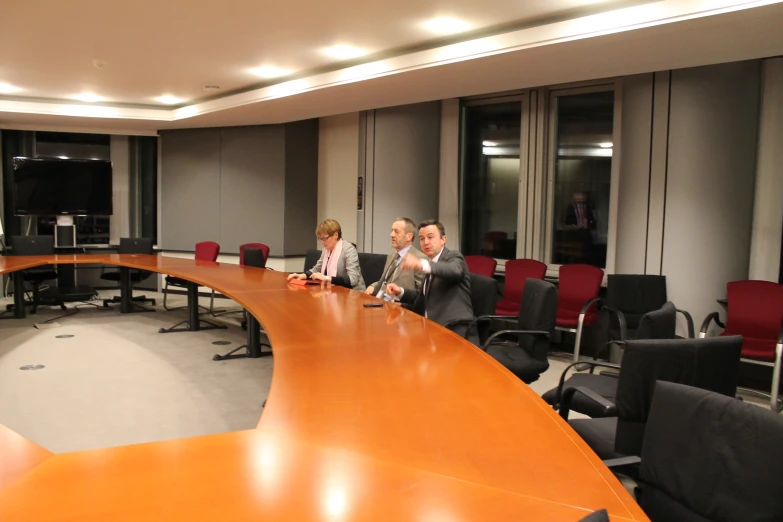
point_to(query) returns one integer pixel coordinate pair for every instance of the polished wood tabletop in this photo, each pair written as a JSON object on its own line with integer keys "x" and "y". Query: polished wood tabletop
{"x": 373, "y": 414}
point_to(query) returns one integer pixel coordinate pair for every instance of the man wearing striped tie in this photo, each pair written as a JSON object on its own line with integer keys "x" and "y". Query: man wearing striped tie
{"x": 402, "y": 233}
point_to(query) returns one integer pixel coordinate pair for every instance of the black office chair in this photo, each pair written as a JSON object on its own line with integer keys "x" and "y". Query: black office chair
{"x": 254, "y": 258}
{"x": 598, "y": 516}
{"x": 658, "y": 324}
{"x": 711, "y": 365}
{"x": 484, "y": 297}
{"x": 710, "y": 458}
{"x": 131, "y": 246}
{"x": 371, "y": 266}
{"x": 34, "y": 246}
{"x": 311, "y": 258}
{"x": 628, "y": 298}
{"x": 527, "y": 357}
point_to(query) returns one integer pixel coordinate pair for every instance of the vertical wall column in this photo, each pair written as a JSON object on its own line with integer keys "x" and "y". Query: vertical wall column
{"x": 119, "y": 224}
{"x": 448, "y": 201}
{"x": 765, "y": 246}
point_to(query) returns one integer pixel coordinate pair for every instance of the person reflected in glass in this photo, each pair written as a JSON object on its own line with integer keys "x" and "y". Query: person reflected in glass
{"x": 578, "y": 214}
{"x": 339, "y": 261}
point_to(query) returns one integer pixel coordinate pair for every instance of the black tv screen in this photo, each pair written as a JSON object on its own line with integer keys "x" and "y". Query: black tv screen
{"x": 49, "y": 186}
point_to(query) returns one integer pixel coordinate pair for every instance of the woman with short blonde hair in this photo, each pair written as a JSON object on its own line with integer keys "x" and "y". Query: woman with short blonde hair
{"x": 339, "y": 262}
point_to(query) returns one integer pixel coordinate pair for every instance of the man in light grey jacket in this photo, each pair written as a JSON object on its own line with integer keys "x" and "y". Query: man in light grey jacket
{"x": 402, "y": 233}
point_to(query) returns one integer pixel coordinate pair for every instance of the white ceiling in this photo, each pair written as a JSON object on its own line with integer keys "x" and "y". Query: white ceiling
{"x": 176, "y": 47}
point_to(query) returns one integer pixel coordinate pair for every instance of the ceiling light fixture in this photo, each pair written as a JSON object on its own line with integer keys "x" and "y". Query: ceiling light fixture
{"x": 88, "y": 97}
{"x": 446, "y": 25}
{"x": 7, "y": 88}
{"x": 343, "y": 52}
{"x": 489, "y": 144}
{"x": 267, "y": 71}
{"x": 168, "y": 100}
{"x": 606, "y": 145}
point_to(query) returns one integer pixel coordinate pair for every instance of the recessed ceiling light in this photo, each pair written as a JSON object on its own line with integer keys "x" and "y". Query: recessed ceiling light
{"x": 607, "y": 145}
{"x": 446, "y": 25}
{"x": 168, "y": 100}
{"x": 343, "y": 52}
{"x": 267, "y": 71}
{"x": 88, "y": 97}
{"x": 489, "y": 144}
{"x": 7, "y": 88}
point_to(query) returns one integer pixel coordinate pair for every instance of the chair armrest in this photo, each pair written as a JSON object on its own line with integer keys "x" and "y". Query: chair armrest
{"x": 622, "y": 461}
{"x": 481, "y": 319}
{"x": 689, "y": 320}
{"x": 588, "y": 304}
{"x": 620, "y": 319}
{"x": 592, "y": 364}
{"x": 714, "y": 316}
{"x": 565, "y": 406}
{"x": 489, "y": 340}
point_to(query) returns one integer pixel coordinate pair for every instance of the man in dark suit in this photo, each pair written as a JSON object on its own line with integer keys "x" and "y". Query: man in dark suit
{"x": 445, "y": 293}
{"x": 578, "y": 214}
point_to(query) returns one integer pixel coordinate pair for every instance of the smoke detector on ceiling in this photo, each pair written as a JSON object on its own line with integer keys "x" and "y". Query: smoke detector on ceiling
{"x": 212, "y": 87}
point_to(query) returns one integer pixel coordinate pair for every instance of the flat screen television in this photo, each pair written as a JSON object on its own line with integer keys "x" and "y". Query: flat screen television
{"x": 55, "y": 186}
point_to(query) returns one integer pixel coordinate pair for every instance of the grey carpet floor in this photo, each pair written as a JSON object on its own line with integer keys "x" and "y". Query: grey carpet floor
{"x": 118, "y": 381}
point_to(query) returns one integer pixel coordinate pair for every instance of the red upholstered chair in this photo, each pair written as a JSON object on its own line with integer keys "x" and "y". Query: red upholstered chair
{"x": 205, "y": 251}
{"x": 517, "y": 272}
{"x": 755, "y": 311}
{"x": 481, "y": 265}
{"x": 262, "y": 247}
{"x": 577, "y": 299}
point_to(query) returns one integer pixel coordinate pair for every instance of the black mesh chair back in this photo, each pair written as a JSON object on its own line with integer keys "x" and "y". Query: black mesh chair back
{"x": 371, "y": 266}
{"x": 538, "y": 311}
{"x": 32, "y": 245}
{"x": 707, "y": 457}
{"x": 711, "y": 364}
{"x": 311, "y": 258}
{"x": 658, "y": 324}
{"x": 634, "y": 295}
{"x": 255, "y": 257}
{"x": 136, "y": 245}
{"x": 484, "y": 296}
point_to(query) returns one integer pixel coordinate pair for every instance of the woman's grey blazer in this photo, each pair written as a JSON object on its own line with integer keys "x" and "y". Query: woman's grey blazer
{"x": 348, "y": 272}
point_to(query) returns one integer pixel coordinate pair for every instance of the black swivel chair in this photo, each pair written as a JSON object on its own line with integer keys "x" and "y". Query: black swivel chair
{"x": 711, "y": 365}
{"x": 131, "y": 246}
{"x": 628, "y": 298}
{"x": 371, "y": 266}
{"x": 710, "y": 458}
{"x": 311, "y": 258}
{"x": 658, "y": 324}
{"x": 484, "y": 297}
{"x": 598, "y": 516}
{"x": 253, "y": 257}
{"x": 527, "y": 357}
{"x": 34, "y": 246}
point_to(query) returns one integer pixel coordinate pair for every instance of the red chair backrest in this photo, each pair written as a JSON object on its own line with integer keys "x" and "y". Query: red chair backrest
{"x": 262, "y": 247}
{"x": 578, "y": 284}
{"x": 207, "y": 251}
{"x": 755, "y": 310}
{"x": 518, "y": 271}
{"x": 481, "y": 265}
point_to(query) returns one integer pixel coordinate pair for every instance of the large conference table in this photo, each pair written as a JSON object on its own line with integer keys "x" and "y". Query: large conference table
{"x": 374, "y": 414}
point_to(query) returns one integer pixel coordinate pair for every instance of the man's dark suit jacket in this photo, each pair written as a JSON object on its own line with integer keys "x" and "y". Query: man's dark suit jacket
{"x": 570, "y": 218}
{"x": 448, "y": 293}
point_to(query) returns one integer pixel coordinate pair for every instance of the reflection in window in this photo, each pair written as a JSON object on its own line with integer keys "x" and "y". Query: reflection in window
{"x": 582, "y": 177}
{"x": 490, "y": 179}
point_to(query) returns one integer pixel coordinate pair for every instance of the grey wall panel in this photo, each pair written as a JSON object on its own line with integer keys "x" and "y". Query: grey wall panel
{"x": 407, "y": 168}
{"x": 301, "y": 186}
{"x": 632, "y": 208}
{"x": 710, "y": 182}
{"x": 190, "y": 188}
{"x": 252, "y": 187}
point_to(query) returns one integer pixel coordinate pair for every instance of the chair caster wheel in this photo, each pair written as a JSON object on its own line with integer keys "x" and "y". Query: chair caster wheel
{"x": 216, "y": 357}
{"x": 161, "y": 330}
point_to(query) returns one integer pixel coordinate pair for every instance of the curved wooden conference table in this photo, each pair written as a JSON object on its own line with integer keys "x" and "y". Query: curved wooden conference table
{"x": 374, "y": 414}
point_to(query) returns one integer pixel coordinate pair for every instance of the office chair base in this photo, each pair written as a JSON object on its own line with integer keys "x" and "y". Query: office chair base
{"x": 190, "y": 328}
{"x": 246, "y": 355}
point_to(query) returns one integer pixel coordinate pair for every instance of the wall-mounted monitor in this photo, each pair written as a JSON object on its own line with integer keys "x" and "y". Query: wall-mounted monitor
{"x": 57, "y": 186}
